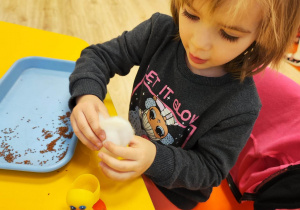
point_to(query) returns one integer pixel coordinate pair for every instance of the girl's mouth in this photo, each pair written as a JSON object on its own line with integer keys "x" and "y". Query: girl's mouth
{"x": 196, "y": 59}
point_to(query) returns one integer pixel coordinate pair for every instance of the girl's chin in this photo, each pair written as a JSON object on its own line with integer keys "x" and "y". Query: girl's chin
{"x": 208, "y": 71}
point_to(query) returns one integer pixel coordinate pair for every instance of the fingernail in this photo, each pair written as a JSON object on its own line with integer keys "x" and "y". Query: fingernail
{"x": 102, "y": 136}
{"x": 99, "y": 145}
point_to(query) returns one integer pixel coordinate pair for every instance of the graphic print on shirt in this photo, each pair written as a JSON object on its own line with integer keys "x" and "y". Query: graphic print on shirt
{"x": 154, "y": 113}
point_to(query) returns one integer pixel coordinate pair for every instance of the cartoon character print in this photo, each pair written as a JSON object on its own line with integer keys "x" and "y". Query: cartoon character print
{"x": 155, "y": 120}
{"x": 135, "y": 121}
{"x": 156, "y": 114}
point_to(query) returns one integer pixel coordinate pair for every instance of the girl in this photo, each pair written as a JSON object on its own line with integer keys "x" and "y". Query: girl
{"x": 194, "y": 102}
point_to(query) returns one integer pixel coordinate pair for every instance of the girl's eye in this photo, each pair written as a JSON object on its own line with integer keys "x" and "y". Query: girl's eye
{"x": 227, "y": 36}
{"x": 190, "y": 16}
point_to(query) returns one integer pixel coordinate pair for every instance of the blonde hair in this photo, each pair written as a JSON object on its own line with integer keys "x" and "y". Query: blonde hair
{"x": 278, "y": 29}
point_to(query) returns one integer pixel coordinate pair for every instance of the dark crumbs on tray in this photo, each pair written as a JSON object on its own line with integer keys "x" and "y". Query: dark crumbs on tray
{"x": 50, "y": 141}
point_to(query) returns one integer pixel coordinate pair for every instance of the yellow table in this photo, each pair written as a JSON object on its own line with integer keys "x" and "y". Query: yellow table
{"x": 43, "y": 191}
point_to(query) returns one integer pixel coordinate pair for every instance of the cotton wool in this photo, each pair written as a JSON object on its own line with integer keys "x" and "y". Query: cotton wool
{"x": 117, "y": 130}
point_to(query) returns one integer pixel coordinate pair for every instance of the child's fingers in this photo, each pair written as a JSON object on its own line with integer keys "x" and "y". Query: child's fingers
{"x": 121, "y": 165}
{"x": 92, "y": 119}
{"x": 87, "y": 115}
{"x": 120, "y": 151}
{"x": 84, "y": 132}
{"x": 81, "y": 137}
{"x": 116, "y": 175}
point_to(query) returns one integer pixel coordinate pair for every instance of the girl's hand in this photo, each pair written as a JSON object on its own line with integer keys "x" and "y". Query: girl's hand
{"x": 85, "y": 121}
{"x": 136, "y": 159}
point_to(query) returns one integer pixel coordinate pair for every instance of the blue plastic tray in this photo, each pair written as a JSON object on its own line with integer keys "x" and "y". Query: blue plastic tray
{"x": 35, "y": 129}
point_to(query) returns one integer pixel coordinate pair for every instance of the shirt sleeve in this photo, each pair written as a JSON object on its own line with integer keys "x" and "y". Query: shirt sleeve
{"x": 98, "y": 63}
{"x": 208, "y": 162}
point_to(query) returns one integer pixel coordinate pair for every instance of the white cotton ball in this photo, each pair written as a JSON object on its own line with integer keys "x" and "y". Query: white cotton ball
{"x": 117, "y": 130}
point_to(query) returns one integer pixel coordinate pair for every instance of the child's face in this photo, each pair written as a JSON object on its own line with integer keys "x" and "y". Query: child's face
{"x": 212, "y": 42}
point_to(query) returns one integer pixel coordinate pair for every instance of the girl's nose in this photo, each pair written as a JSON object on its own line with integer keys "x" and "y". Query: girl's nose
{"x": 202, "y": 37}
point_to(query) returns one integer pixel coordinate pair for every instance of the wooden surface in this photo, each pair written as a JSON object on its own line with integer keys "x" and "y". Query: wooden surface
{"x": 94, "y": 21}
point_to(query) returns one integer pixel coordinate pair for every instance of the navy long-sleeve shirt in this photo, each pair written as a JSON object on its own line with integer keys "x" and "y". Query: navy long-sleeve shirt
{"x": 198, "y": 124}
